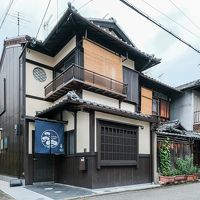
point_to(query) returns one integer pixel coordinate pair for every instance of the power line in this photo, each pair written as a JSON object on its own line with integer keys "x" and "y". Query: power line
{"x": 85, "y": 4}
{"x": 183, "y": 27}
{"x": 9, "y": 6}
{"x": 158, "y": 24}
{"x": 185, "y": 15}
{"x": 43, "y": 18}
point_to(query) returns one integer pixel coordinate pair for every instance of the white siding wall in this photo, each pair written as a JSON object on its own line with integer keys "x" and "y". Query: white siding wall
{"x": 33, "y": 86}
{"x": 65, "y": 50}
{"x": 83, "y": 135}
{"x": 144, "y": 134}
{"x": 182, "y": 109}
{"x": 101, "y": 99}
{"x": 39, "y": 57}
{"x": 128, "y": 107}
{"x": 48, "y": 60}
{"x": 33, "y": 105}
{"x": 129, "y": 63}
{"x": 68, "y": 116}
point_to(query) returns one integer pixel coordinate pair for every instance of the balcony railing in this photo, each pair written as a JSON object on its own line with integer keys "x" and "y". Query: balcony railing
{"x": 196, "y": 117}
{"x": 78, "y": 76}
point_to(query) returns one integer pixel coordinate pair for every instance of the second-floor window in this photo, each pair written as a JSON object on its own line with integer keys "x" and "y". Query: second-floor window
{"x": 160, "y": 105}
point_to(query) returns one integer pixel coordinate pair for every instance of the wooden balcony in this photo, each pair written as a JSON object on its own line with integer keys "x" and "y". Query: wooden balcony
{"x": 76, "y": 77}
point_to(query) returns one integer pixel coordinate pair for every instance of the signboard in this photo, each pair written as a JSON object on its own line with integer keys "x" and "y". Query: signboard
{"x": 49, "y": 137}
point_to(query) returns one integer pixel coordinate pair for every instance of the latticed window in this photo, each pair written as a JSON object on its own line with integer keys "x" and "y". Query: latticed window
{"x": 118, "y": 143}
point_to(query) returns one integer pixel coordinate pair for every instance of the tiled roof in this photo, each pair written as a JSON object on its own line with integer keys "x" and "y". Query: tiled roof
{"x": 71, "y": 97}
{"x": 190, "y": 85}
{"x": 174, "y": 128}
{"x": 160, "y": 83}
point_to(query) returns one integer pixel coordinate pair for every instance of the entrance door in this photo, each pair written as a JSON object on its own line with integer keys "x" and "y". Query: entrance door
{"x": 43, "y": 165}
{"x": 43, "y": 168}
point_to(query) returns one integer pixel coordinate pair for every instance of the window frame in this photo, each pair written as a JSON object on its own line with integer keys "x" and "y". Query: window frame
{"x": 100, "y": 162}
{"x": 4, "y": 98}
{"x": 67, "y": 142}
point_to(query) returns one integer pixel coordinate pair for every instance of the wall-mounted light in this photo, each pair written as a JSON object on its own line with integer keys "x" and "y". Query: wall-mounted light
{"x": 1, "y": 129}
{"x": 142, "y": 127}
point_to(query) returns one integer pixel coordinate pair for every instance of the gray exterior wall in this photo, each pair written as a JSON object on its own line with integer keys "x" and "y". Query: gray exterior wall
{"x": 182, "y": 108}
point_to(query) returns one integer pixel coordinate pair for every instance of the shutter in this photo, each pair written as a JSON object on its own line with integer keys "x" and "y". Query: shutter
{"x": 131, "y": 78}
{"x": 146, "y": 101}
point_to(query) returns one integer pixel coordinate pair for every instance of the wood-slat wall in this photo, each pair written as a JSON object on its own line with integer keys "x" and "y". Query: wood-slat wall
{"x": 102, "y": 61}
{"x": 146, "y": 101}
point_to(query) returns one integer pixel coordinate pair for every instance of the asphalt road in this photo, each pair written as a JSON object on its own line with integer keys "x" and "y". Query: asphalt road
{"x": 4, "y": 196}
{"x": 177, "y": 192}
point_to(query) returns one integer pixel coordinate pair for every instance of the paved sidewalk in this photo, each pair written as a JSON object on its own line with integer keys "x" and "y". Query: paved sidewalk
{"x": 4, "y": 196}
{"x": 21, "y": 193}
{"x": 53, "y": 191}
{"x": 189, "y": 191}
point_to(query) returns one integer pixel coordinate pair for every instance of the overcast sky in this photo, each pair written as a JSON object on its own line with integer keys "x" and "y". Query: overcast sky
{"x": 180, "y": 64}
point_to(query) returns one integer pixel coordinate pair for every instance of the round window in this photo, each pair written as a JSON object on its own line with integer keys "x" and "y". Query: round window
{"x": 39, "y": 74}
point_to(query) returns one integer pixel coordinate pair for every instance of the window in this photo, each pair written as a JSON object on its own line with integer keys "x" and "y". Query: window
{"x": 131, "y": 78}
{"x": 160, "y": 105}
{"x": 39, "y": 74}
{"x": 70, "y": 142}
{"x": 164, "y": 109}
{"x": 118, "y": 144}
{"x": 155, "y": 107}
{"x": 2, "y": 96}
{"x": 65, "y": 65}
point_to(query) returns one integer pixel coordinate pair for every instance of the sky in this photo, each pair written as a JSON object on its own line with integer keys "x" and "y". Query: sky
{"x": 180, "y": 64}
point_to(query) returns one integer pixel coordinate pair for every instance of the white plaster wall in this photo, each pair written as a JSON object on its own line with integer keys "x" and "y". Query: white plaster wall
{"x": 83, "y": 135}
{"x": 33, "y": 105}
{"x": 39, "y": 57}
{"x": 127, "y": 106}
{"x": 182, "y": 108}
{"x": 48, "y": 60}
{"x": 68, "y": 116}
{"x": 129, "y": 63}
{"x": 30, "y": 142}
{"x": 101, "y": 99}
{"x": 144, "y": 134}
{"x": 65, "y": 50}
{"x": 33, "y": 86}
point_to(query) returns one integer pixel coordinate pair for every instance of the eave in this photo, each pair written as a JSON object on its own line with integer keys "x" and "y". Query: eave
{"x": 72, "y": 23}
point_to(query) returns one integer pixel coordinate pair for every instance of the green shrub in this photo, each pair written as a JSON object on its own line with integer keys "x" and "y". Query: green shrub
{"x": 186, "y": 166}
{"x": 165, "y": 163}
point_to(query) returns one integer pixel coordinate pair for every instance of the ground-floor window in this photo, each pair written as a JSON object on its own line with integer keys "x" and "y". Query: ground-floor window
{"x": 70, "y": 144}
{"x": 117, "y": 143}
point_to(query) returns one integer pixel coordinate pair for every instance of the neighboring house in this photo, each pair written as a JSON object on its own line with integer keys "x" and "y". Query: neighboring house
{"x": 182, "y": 142}
{"x": 186, "y": 107}
{"x": 85, "y": 76}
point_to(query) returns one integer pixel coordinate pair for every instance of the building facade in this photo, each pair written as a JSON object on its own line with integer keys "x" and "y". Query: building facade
{"x": 86, "y": 76}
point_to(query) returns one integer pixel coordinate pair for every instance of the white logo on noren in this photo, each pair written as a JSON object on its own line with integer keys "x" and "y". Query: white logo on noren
{"x": 50, "y": 138}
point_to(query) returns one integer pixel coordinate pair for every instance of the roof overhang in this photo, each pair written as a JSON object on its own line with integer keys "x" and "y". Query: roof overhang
{"x": 80, "y": 105}
{"x": 72, "y": 23}
{"x": 158, "y": 86}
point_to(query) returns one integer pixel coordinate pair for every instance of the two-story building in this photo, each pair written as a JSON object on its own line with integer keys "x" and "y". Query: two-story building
{"x": 76, "y": 109}
{"x": 186, "y": 108}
